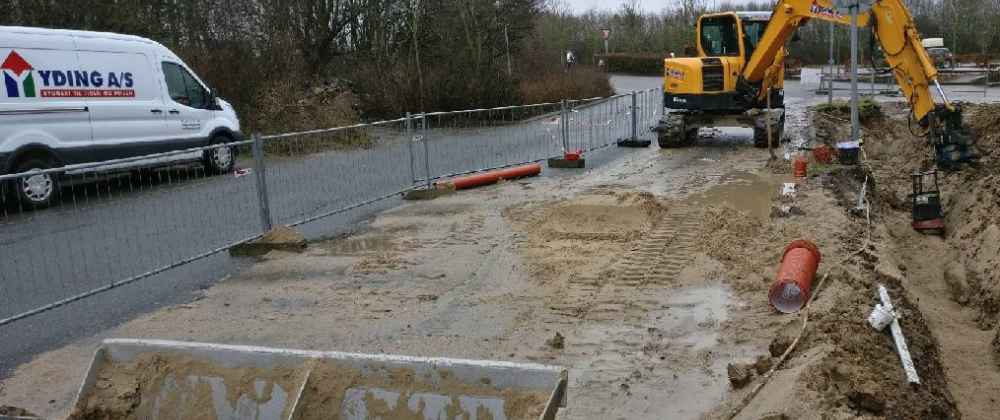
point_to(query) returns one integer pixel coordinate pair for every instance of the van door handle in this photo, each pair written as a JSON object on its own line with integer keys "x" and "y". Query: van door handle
{"x": 174, "y": 112}
{"x": 156, "y": 111}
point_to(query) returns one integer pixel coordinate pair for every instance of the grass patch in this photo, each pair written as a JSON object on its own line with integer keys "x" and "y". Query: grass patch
{"x": 579, "y": 82}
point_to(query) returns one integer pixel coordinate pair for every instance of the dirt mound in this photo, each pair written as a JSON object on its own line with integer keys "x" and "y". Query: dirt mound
{"x": 940, "y": 276}
{"x": 841, "y": 367}
{"x": 582, "y": 237}
{"x": 970, "y": 195}
{"x": 615, "y": 217}
{"x": 280, "y": 238}
{"x": 863, "y": 372}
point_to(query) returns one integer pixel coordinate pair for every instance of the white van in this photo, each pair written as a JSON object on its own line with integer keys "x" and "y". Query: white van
{"x": 69, "y": 97}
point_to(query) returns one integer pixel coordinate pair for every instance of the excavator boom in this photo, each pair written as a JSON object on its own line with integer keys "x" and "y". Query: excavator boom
{"x": 894, "y": 28}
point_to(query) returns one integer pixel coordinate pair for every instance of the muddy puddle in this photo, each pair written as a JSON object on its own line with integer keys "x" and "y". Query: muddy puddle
{"x": 663, "y": 365}
{"x": 744, "y": 191}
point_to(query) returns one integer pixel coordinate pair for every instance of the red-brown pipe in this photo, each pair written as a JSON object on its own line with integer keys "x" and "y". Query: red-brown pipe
{"x": 799, "y": 167}
{"x": 793, "y": 286}
{"x": 491, "y": 177}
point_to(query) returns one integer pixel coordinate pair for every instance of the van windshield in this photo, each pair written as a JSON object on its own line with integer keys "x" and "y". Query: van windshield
{"x": 183, "y": 87}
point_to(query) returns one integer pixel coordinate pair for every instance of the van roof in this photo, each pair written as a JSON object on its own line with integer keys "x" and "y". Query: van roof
{"x": 80, "y": 34}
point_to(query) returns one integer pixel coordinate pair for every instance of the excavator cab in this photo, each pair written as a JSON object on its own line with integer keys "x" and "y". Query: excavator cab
{"x": 708, "y": 81}
{"x": 706, "y": 91}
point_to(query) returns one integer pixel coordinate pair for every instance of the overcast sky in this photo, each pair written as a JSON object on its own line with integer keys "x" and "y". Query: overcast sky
{"x": 579, "y": 6}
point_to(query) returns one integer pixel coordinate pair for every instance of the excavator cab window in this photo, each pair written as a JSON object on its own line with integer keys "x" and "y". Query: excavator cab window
{"x": 752, "y": 31}
{"x": 719, "y": 36}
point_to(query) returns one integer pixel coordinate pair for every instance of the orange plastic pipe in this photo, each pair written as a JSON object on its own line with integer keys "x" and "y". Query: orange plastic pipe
{"x": 799, "y": 166}
{"x": 491, "y": 177}
{"x": 793, "y": 286}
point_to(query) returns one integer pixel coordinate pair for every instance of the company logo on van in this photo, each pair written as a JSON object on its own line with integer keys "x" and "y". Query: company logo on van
{"x": 17, "y": 76}
{"x": 23, "y": 80}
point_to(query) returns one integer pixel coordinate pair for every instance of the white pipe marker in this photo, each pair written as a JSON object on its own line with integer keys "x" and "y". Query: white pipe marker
{"x": 879, "y": 318}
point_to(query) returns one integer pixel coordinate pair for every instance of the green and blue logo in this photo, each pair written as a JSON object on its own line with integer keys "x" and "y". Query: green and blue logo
{"x": 20, "y": 81}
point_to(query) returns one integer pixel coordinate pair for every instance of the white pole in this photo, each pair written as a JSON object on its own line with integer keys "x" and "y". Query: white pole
{"x": 829, "y": 98}
{"x": 854, "y": 73}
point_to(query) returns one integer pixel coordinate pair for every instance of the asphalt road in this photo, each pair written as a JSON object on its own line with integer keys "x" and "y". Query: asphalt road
{"x": 119, "y": 227}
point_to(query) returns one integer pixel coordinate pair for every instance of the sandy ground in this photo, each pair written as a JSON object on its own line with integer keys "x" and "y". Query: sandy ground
{"x": 647, "y": 277}
{"x": 955, "y": 278}
{"x": 607, "y": 258}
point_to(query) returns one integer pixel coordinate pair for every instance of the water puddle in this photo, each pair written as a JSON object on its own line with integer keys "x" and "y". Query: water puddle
{"x": 664, "y": 364}
{"x": 745, "y": 191}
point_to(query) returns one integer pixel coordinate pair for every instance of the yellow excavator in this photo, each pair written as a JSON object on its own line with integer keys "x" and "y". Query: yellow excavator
{"x": 740, "y": 64}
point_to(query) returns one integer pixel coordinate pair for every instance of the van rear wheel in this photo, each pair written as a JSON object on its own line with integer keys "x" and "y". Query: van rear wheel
{"x": 36, "y": 191}
{"x": 219, "y": 160}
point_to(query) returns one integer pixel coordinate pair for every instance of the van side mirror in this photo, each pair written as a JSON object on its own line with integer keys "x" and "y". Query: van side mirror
{"x": 213, "y": 100}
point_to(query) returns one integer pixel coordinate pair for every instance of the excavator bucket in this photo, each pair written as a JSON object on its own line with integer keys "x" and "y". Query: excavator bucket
{"x": 954, "y": 144}
{"x": 154, "y": 379}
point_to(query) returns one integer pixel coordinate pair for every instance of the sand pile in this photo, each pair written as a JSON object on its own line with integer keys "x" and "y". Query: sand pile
{"x": 583, "y": 236}
{"x": 971, "y": 196}
{"x": 617, "y": 217}
{"x": 841, "y": 367}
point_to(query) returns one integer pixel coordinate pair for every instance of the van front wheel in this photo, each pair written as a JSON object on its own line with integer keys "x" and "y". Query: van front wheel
{"x": 36, "y": 191}
{"x": 219, "y": 160}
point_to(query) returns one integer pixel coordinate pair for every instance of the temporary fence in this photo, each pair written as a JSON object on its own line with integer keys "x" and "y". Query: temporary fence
{"x": 964, "y": 83}
{"x": 117, "y": 222}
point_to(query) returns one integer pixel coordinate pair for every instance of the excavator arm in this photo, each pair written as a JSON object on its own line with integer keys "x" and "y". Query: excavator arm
{"x": 896, "y": 32}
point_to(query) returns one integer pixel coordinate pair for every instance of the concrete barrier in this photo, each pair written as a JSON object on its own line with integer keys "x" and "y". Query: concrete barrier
{"x": 156, "y": 379}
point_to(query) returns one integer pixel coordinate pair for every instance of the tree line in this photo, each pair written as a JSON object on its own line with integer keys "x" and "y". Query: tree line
{"x": 968, "y": 27}
{"x": 395, "y": 55}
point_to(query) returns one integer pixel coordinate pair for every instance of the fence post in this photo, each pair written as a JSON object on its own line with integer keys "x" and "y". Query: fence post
{"x": 564, "y": 126}
{"x": 590, "y": 126}
{"x": 986, "y": 83}
{"x": 263, "y": 199}
{"x": 427, "y": 155}
{"x": 635, "y": 121}
{"x": 409, "y": 141}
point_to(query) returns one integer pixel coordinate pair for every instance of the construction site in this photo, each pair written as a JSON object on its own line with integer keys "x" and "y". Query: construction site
{"x": 743, "y": 247}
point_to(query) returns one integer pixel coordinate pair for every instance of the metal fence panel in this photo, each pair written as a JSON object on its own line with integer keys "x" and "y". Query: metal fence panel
{"x": 115, "y": 223}
{"x": 109, "y": 225}
{"x": 316, "y": 174}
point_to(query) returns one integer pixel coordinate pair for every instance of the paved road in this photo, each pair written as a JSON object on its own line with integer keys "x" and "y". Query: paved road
{"x": 120, "y": 227}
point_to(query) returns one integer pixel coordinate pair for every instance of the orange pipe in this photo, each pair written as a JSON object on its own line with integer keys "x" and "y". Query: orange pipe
{"x": 793, "y": 286}
{"x": 799, "y": 166}
{"x": 491, "y": 177}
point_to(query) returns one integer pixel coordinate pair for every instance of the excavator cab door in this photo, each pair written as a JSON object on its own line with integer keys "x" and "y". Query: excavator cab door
{"x": 721, "y": 46}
